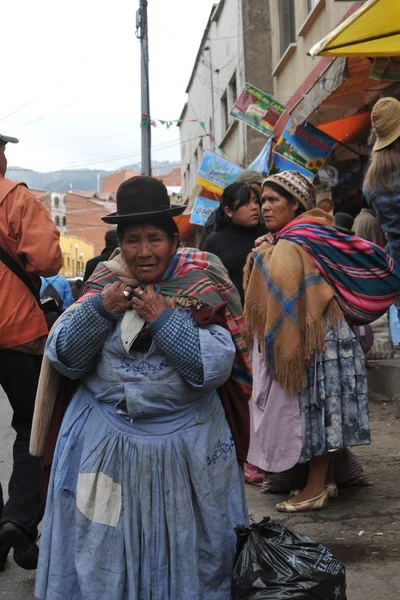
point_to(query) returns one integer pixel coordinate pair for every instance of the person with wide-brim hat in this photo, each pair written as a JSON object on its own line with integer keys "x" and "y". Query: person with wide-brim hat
{"x": 382, "y": 179}
{"x": 146, "y": 483}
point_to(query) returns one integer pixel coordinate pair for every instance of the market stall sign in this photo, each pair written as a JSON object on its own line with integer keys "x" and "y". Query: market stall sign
{"x": 308, "y": 146}
{"x": 202, "y": 209}
{"x": 216, "y": 172}
{"x": 280, "y": 163}
{"x": 257, "y": 109}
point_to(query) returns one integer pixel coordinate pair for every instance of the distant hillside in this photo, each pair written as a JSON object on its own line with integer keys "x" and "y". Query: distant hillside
{"x": 80, "y": 179}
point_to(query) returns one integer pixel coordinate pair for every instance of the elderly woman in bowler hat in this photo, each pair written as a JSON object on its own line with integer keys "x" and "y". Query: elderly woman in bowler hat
{"x": 309, "y": 381}
{"x": 146, "y": 486}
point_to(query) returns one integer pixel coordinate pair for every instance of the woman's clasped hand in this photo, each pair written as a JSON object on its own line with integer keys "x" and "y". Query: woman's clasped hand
{"x": 148, "y": 303}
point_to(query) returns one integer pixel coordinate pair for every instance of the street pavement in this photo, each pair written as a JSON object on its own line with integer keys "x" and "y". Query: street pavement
{"x": 362, "y": 525}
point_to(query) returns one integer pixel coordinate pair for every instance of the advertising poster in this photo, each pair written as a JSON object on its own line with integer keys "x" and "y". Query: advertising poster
{"x": 257, "y": 109}
{"x": 308, "y": 146}
{"x": 216, "y": 172}
{"x": 201, "y": 210}
{"x": 280, "y": 163}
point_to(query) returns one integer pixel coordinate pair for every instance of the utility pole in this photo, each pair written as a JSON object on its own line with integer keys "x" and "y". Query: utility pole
{"x": 142, "y": 34}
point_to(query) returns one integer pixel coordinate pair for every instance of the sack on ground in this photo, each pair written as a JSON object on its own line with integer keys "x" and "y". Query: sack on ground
{"x": 275, "y": 563}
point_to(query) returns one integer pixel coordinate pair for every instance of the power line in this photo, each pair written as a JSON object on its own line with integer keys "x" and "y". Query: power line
{"x": 103, "y": 137}
{"x": 134, "y": 154}
{"x": 46, "y": 115}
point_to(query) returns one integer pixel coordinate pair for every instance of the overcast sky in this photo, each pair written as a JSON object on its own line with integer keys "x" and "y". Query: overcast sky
{"x": 80, "y": 61}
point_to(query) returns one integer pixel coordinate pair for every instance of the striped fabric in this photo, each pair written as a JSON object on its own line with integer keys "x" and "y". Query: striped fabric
{"x": 365, "y": 279}
{"x": 192, "y": 277}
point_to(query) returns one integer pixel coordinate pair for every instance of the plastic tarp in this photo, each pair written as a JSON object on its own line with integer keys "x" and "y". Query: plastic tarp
{"x": 373, "y": 30}
{"x": 349, "y": 129}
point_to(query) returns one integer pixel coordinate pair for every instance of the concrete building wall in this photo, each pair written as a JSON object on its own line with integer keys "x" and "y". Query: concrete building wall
{"x": 218, "y": 75}
{"x": 296, "y": 25}
{"x": 237, "y": 45}
{"x": 257, "y": 61}
{"x": 55, "y": 204}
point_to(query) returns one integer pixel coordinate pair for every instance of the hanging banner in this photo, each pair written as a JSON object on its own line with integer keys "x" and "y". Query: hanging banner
{"x": 216, "y": 172}
{"x": 261, "y": 163}
{"x": 307, "y": 146}
{"x": 257, "y": 109}
{"x": 202, "y": 209}
{"x": 280, "y": 163}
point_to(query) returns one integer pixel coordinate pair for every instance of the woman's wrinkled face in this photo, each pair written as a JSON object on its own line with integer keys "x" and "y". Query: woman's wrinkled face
{"x": 276, "y": 209}
{"x": 247, "y": 215}
{"x": 148, "y": 251}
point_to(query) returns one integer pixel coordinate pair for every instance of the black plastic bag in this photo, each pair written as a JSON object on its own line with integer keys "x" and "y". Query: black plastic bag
{"x": 275, "y": 563}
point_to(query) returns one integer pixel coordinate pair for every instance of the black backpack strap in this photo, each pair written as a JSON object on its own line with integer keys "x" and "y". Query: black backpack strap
{"x": 19, "y": 272}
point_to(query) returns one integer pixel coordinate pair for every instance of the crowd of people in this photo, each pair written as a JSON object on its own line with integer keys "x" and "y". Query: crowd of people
{"x": 171, "y": 367}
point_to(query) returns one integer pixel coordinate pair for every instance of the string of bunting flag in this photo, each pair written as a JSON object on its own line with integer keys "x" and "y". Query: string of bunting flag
{"x": 148, "y": 121}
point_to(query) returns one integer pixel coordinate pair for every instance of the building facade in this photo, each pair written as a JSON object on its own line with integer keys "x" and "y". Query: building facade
{"x": 75, "y": 253}
{"x": 55, "y": 204}
{"x": 235, "y": 49}
{"x": 296, "y": 25}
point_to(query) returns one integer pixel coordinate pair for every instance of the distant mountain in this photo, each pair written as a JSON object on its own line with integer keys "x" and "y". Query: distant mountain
{"x": 79, "y": 179}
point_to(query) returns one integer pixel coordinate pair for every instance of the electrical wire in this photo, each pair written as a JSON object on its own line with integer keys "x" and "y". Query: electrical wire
{"x": 54, "y": 112}
{"x": 133, "y": 154}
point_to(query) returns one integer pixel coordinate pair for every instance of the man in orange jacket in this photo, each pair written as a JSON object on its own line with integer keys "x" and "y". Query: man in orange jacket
{"x": 30, "y": 238}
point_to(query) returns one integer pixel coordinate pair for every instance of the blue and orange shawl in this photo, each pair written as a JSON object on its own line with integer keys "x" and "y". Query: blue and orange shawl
{"x": 312, "y": 273}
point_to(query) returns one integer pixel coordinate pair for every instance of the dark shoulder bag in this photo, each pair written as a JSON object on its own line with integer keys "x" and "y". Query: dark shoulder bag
{"x": 49, "y": 306}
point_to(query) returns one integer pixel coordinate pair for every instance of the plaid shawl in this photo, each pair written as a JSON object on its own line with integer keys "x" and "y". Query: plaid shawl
{"x": 365, "y": 279}
{"x": 193, "y": 278}
{"x": 287, "y": 301}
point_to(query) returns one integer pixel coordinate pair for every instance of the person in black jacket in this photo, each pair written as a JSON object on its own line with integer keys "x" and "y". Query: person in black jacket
{"x": 237, "y": 226}
{"x": 111, "y": 241}
{"x": 246, "y": 176}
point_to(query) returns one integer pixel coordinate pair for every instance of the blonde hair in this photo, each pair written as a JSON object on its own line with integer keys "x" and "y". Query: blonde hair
{"x": 383, "y": 167}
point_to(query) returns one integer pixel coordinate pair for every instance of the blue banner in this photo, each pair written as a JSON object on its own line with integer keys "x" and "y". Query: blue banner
{"x": 201, "y": 210}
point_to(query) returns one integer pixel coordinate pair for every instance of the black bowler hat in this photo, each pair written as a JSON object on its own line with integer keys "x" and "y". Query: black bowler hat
{"x": 141, "y": 198}
{"x": 344, "y": 223}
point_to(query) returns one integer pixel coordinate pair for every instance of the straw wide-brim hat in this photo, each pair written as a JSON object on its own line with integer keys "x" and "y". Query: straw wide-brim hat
{"x": 142, "y": 199}
{"x": 385, "y": 118}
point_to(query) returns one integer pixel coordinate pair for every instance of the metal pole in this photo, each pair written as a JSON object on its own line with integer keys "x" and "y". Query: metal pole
{"x": 144, "y": 51}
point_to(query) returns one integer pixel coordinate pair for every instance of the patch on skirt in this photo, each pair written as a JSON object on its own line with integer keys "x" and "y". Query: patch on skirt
{"x": 99, "y": 498}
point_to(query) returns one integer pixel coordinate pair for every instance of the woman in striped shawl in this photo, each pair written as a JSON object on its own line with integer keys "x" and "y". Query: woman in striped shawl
{"x": 305, "y": 287}
{"x": 146, "y": 486}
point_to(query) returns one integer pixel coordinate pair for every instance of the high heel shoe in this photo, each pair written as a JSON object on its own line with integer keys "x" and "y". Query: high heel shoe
{"x": 318, "y": 503}
{"x": 331, "y": 489}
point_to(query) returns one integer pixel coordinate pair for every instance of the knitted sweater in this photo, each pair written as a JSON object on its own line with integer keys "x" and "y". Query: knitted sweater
{"x": 232, "y": 244}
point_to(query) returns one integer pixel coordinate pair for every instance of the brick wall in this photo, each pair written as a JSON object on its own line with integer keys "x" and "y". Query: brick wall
{"x": 84, "y": 220}
{"x": 111, "y": 183}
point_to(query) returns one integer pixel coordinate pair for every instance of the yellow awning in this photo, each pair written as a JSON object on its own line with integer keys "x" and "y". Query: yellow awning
{"x": 373, "y": 30}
